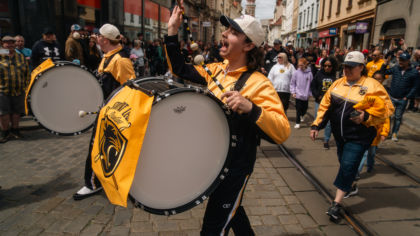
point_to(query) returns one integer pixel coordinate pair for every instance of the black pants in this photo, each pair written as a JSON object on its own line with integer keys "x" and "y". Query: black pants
{"x": 301, "y": 108}
{"x": 91, "y": 181}
{"x": 284, "y": 97}
{"x": 224, "y": 210}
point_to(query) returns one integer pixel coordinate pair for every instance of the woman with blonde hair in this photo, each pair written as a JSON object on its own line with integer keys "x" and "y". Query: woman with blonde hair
{"x": 280, "y": 75}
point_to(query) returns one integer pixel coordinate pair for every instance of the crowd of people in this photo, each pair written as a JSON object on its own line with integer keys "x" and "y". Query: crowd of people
{"x": 341, "y": 82}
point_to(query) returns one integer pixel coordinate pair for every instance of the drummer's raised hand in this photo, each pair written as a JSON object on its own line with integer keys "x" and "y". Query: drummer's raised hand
{"x": 175, "y": 20}
{"x": 237, "y": 102}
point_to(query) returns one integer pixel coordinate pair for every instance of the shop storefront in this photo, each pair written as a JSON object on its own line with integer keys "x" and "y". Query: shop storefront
{"x": 328, "y": 39}
{"x": 392, "y": 30}
{"x": 358, "y": 35}
{"x": 307, "y": 39}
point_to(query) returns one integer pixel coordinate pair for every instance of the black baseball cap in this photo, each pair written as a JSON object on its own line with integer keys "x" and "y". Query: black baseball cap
{"x": 48, "y": 30}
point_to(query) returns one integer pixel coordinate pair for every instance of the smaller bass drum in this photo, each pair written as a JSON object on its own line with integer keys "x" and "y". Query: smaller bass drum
{"x": 59, "y": 93}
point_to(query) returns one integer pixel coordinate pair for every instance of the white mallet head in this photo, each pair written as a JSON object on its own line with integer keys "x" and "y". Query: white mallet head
{"x": 194, "y": 46}
{"x": 82, "y": 113}
{"x": 199, "y": 59}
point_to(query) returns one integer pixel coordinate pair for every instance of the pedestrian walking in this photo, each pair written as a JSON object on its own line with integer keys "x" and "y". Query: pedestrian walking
{"x": 45, "y": 48}
{"x": 280, "y": 75}
{"x": 94, "y": 55}
{"x": 255, "y": 105}
{"x": 319, "y": 86}
{"x": 353, "y": 130}
{"x": 14, "y": 79}
{"x": 114, "y": 70}
{"x": 20, "y": 47}
{"x": 139, "y": 62}
{"x": 74, "y": 48}
{"x": 300, "y": 88}
{"x": 404, "y": 85}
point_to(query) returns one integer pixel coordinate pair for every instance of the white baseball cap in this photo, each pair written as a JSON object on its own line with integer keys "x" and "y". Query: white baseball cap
{"x": 354, "y": 58}
{"x": 110, "y": 32}
{"x": 248, "y": 25}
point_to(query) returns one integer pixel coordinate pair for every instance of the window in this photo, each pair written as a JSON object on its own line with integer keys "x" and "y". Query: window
{"x": 304, "y": 19}
{"x": 329, "y": 12}
{"x": 309, "y": 19}
{"x": 132, "y": 18}
{"x": 349, "y": 4}
{"x": 316, "y": 12}
{"x": 300, "y": 2}
{"x": 323, "y": 8}
{"x": 312, "y": 13}
{"x": 300, "y": 20}
{"x": 338, "y": 7}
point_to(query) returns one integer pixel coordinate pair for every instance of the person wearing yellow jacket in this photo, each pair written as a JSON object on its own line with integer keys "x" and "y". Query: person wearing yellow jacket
{"x": 353, "y": 130}
{"x": 257, "y": 109}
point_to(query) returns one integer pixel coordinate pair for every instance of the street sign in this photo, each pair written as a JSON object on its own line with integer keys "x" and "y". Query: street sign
{"x": 206, "y": 24}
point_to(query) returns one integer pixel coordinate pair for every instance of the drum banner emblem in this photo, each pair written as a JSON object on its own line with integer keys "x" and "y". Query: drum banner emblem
{"x": 119, "y": 135}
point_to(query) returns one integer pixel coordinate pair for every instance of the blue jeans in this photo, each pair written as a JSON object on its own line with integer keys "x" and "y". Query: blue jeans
{"x": 349, "y": 155}
{"x": 400, "y": 106}
{"x": 327, "y": 130}
{"x": 368, "y": 156}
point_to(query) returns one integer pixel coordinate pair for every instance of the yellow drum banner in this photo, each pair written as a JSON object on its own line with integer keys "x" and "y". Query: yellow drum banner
{"x": 119, "y": 136}
{"x": 47, "y": 64}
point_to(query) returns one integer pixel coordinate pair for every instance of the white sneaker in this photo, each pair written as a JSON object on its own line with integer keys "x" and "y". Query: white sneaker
{"x": 85, "y": 192}
{"x": 297, "y": 126}
{"x": 394, "y": 137}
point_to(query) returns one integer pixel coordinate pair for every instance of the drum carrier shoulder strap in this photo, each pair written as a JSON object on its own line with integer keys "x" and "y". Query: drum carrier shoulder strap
{"x": 242, "y": 80}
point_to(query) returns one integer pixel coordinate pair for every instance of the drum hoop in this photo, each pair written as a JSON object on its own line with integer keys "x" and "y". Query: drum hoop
{"x": 57, "y": 64}
{"x": 221, "y": 175}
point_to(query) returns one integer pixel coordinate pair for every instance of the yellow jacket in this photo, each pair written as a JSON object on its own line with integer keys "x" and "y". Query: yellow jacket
{"x": 120, "y": 67}
{"x": 337, "y": 105}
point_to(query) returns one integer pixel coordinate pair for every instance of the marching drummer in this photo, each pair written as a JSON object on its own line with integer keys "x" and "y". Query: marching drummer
{"x": 258, "y": 111}
{"x": 115, "y": 69}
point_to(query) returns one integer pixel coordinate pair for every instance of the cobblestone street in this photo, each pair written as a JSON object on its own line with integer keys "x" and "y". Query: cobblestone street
{"x": 40, "y": 173}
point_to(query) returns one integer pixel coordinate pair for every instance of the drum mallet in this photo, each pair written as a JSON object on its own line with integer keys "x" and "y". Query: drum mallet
{"x": 187, "y": 28}
{"x": 85, "y": 113}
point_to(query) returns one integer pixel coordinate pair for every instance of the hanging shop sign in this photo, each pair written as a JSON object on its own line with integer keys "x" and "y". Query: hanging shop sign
{"x": 361, "y": 27}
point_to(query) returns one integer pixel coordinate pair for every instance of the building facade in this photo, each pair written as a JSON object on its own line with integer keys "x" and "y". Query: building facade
{"x": 276, "y": 29}
{"x": 346, "y": 23}
{"x": 288, "y": 34}
{"x": 307, "y": 33}
{"x": 397, "y": 19}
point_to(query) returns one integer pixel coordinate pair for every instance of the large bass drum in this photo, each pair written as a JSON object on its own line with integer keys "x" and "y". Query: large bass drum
{"x": 185, "y": 150}
{"x": 59, "y": 93}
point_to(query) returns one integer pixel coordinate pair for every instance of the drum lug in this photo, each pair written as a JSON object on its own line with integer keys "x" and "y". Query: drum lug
{"x": 166, "y": 213}
{"x": 226, "y": 170}
{"x": 222, "y": 177}
{"x": 204, "y": 197}
{"x": 197, "y": 202}
{"x": 173, "y": 212}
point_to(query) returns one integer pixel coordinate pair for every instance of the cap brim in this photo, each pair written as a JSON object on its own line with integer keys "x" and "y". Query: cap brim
{"x": 226, "y": 21}
{"x": 351, "y": 63}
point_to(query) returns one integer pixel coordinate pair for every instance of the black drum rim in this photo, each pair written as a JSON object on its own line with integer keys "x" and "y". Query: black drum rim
{"x": 29, "y": 104}
{"x": 222, "y": 173}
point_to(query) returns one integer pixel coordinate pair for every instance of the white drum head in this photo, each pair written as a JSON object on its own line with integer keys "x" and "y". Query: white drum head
{"x": 184, "y": 150}
{"x": 60, "y": 93}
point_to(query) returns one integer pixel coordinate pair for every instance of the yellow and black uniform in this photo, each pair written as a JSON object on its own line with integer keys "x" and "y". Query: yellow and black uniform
{"x": 352, "y": 139}
{"x": 14, "y": 74}
{"x": 373, "y": 66}
{"x": 266, "y": 119}
{"x": 114, "y": 70}
{"x": 338, "y": 102}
